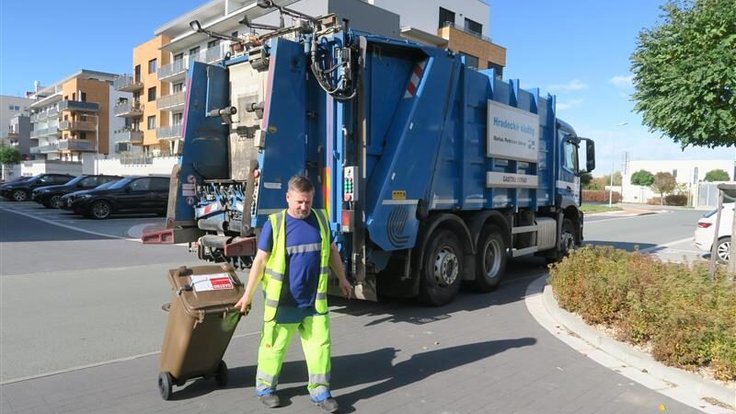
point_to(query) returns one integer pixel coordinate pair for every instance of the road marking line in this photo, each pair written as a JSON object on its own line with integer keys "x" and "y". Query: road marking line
{"x": 66, "y": 226}
{"x": 659, "y": 246}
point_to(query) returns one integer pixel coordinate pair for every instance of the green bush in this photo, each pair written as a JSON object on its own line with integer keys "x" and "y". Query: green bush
{"x": 600, "y": 196}
{"x": 676, "y": 200}
{"x": 686, "y": 318}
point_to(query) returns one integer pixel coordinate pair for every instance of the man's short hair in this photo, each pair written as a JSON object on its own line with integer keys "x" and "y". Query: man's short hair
{"x": 300, "y": 184}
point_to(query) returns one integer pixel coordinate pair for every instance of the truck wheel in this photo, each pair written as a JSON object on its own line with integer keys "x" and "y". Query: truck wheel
{"x": 55, "y": 201}
{"x": 723, "y": 250}
{"x": 165, "y": 385}
{"x": 491, "y": 259}
{"x": 221, "y": 374}
{"x": 567, "y": 238}
{"x": 442, "y": 269}
{"x": 20, "y": 195}
{"x": 100, "y": 209}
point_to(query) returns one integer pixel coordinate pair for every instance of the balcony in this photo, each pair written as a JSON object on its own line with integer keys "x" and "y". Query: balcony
{"x": 45, "y": 132}
{"x": 169, "y": 133}
{"x": 79, "y": 106}
{"x": 45, "y": 149}
{"x": 132, "y": 136}
{"x": 173, "y": 71}
{"x": 126, "y": 83}
{"x": 44, "y": 115}
{"x": 213, "y": 54}
{"x": 171, "y": 102}
{"x": 81, "y": 145}
{"x": 77, "y": 126}
{"x": 128, "y": 109}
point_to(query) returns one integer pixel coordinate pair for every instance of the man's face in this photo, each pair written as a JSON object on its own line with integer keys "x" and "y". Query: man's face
{"x": 300, "y": 204}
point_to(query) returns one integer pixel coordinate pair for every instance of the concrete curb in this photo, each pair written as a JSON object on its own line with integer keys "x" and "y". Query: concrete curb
{"x": 681, "y": 385}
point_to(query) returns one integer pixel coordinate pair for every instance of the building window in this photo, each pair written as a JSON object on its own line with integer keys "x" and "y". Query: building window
{"x": 83, "y": 96}
{"x": 212, "y": 43}
{"x": 193, "y": 52}
{"x": 177, "y": 87}
{"x": 471, "y": 61}
{"x": 137, "y": 72}
{"x": 473, "y": 27}
{"x": 152, "y": 66}
{"x": 151, "y": 94}
{"x": 152, "y": 122}
{"x": 176, "y": 118}
{"x": 447, "y": 18}
{"x": 234, "y": 34}
{"x": 498, "y": 68}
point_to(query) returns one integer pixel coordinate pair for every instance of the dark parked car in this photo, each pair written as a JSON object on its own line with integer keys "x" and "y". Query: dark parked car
{"x": 21, "y": 190}
{"x": 50, "y": 196}
{"x": 68, "y": 199}
{"x": 129, "y": 195}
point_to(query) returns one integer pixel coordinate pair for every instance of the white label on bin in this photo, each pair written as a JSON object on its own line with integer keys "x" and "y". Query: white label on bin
{"x": 218, "y": 281}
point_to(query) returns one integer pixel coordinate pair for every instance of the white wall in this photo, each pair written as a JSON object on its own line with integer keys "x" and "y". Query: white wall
{"x": 114, "y": 166}
{"x": 685, "y": 175}
{"x": 35, "y": 167}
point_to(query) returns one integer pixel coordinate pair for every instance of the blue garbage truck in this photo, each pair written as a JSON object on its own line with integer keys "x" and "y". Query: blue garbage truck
{"x": 433, "y": 173}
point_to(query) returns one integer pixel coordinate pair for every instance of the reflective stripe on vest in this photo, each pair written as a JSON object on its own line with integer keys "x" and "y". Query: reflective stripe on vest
{"x": 273, "y": 278}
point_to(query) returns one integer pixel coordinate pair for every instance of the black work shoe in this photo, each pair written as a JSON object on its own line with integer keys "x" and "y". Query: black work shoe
{"x": 328, "y": 404}
{"x": 270, "y": 400}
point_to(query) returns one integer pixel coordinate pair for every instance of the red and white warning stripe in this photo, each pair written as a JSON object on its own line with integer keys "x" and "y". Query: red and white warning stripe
{"x": 416, "y": 77}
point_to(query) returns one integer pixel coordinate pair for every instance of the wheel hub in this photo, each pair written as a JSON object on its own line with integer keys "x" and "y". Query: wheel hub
{"x": 724, "y": 251}
{"x": 445, "y": 267}
{"x": 491, "y": 261}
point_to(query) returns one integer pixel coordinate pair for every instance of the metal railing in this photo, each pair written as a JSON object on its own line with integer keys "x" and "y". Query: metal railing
{"x": 126, "y": 83}
{"x": 76, "y": 145}
{"x": 44, "y": 115}
{"x": 170, "y": 101}
{"x": 174, "y": 68}
{"x": 169, "y": 132}
{"x": 127, "y": 108}
{"x": 133, "y": 136}
{"x": 466, "y": 30}
{"x": 79, "y": 106}
{"x": 77, "y": 126}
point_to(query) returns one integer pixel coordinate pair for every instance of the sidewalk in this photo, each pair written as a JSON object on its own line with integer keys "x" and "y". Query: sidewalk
{"x": 688, "y": 388}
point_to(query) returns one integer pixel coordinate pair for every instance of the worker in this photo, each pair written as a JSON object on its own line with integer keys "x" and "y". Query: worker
{"x": 293, "y": 259}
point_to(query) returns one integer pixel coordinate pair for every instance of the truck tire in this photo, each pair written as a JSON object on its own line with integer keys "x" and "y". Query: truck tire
{"x": 490, "y": 260}
{"x": 723, "y": 250}
{"x": 567, "y": 238}
{"x": 442, "y": 270}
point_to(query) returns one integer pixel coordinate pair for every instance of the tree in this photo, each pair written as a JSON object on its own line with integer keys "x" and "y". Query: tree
{"x": 684, "y": 76}
{"x": 585, "y": 179}
{"x": 716, "y": 175}
{"x": 9, "y": 155}
{"x": 642, "y": 177}
{"x": 664, "y": 183}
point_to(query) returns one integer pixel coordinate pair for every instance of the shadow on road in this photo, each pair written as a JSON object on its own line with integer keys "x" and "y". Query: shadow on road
{"x": 375, "y": 368}
{"x": 631, "y": 247}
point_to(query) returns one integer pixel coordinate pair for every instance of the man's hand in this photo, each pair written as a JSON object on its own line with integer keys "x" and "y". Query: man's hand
{"x": 243, "y": 305}
{"x": 346, "y": 288}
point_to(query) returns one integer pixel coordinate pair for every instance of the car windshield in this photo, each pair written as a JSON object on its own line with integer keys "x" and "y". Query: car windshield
{"x": 75, "y": 180}
{"x": 120, "y": 184}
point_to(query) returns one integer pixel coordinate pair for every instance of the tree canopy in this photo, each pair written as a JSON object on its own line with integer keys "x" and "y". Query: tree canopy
{"x": 716, "y": 175}
{"x": 685, "y": 73}
{"x": 642, "y": 177}
{"x": 664, "y": 183}
{"x": 9, "y": 155}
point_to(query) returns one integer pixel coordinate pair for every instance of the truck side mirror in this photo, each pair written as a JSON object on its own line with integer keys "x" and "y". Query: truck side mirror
{"x": 589, "y": 154}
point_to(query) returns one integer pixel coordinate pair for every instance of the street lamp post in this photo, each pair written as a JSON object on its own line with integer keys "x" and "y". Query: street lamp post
{"x": 613, "y": 164}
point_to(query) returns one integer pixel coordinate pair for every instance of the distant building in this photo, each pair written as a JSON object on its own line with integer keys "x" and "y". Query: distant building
{"x": 19, "y": 135}
{"x": 459, "y": 25}
{"x": 75, "y": 116}
{"x": 689, "y": 175}
{"x": 142, "y": 127}
{"x": 10, "y": 107}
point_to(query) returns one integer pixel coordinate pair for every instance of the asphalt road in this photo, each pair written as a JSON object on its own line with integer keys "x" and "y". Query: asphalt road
{"x": 81, "y": 317}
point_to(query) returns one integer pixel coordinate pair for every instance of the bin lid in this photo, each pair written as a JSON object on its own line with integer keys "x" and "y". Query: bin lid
{"x": 206, "y": 288}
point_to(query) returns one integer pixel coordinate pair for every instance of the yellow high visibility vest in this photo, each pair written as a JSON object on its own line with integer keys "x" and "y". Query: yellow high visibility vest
{"x": 273, "y": 278}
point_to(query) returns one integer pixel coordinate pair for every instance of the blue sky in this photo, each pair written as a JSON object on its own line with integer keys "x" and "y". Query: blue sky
{"x": 576, "y": 50}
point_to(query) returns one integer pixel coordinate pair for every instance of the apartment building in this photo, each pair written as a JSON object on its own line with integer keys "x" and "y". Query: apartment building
{"x": 460, "y": 25}
{"x": 19, "y": 135}
{"x": 10, "y": 108}
{"x": 142, "y": 117}
{"x": 74, "y": 116}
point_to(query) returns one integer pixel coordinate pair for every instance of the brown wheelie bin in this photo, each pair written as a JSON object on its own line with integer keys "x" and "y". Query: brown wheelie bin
{"x": 202, "y": 319}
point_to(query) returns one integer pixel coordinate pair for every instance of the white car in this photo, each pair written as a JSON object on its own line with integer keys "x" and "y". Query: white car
{"x": 706, "y": 227}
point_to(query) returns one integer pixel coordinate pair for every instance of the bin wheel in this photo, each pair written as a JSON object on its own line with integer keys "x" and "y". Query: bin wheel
{"x": 165, "y": 385}
{"x": 221, "y": 374}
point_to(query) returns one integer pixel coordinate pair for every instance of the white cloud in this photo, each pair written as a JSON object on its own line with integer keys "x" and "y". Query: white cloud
{"x": 621, "y": 81}
{"x": 573, "y": 85}
{"x": 563, "y": 106}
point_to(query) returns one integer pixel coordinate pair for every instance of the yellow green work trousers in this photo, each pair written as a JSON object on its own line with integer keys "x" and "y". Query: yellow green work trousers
{"x": 275, "y": 338}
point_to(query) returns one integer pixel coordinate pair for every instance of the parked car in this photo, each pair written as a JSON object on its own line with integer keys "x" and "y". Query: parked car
{"x": 21, "y": 190}
{"x": 129, "y": 195}
{"x": 50, "y": 196}
{"x": 68, "y": 199}
{"x": 706, "y": 229}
